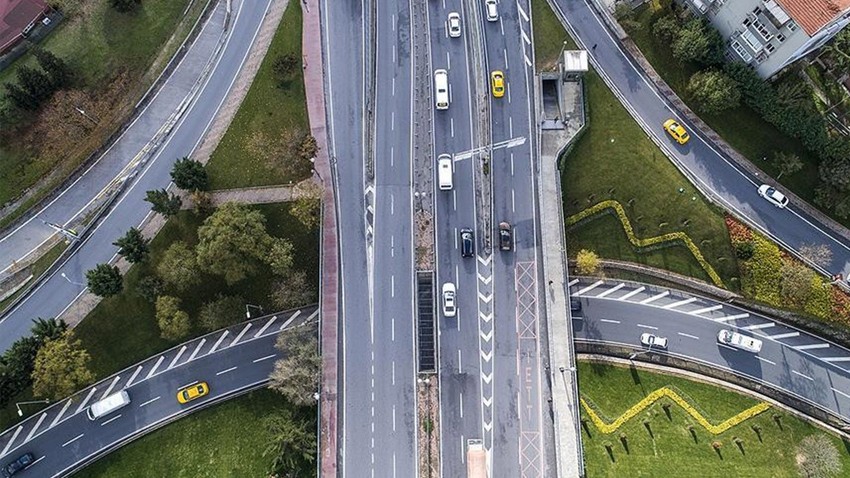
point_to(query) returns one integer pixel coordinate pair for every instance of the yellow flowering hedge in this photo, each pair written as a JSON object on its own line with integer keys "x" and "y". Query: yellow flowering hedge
{"x": 672, "y": 395}
{"x": 766, "y": 269}
{"x": 652, "y": 241}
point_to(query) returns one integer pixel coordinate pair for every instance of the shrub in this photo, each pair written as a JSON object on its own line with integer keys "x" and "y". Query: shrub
{"x": 744, "y": 250}
{"x": 587, "y": 262}
{"x": 766, "y": 270}
{"x": 714, "y": 91}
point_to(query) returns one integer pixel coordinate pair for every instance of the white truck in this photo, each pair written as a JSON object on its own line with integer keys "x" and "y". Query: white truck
{"x": 476, "y": 459}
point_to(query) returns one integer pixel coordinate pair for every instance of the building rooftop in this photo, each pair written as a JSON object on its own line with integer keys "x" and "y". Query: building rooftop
{"x": 813, "y": 15}
{"x": 15, "y": 15}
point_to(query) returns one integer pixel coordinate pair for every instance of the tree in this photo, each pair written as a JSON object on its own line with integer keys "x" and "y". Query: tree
{"x": 21, "y": 98}
{"x": 179, "y": 267}
{"x": 125, "y": 6}
{"x": 291, "y": 291}
{"x": 796, "y": 282}
{"x": 56, "y": 69}
{"x": 35, "y": 83}
{"x": 173, "y": 323}
{"x": 587, "y": 262}
{"x": 697, "y": 41}
{"x": 17, "y": 363}
{"x": 307, "y": 208}
{"x": 714, "y": 91}
{"x": 189, "y": 175}
{"x": 291, "y": 442}
{"x": 285, "y": 66}
{"x": 666, "y": 28}
{"x": 279, "y": 257}
{"x": 48, "y": 329}
{"x": 786, "y": 163}
{"x": 225, "y": 310}
{"x": 795, "y": 94}
{"x": 133, "y": 246}
{"x": 150, "y": 287}
{"x": 296, "y": 376}
{"x": 309, "y": 148}
{"x": 817, "y": 254}
{"x": 61, "y": 367}
{"x": 163, "y": 203}
{"x": 817, "y": 457}
{"x": 232, "y": 241}
{"x": 104, "y": 280}
{"x": 625, "y": 15}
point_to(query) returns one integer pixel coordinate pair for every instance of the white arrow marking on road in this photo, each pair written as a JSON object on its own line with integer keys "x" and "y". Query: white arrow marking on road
{"x": 111, "y": 386}
{"x": 197, "y": 349}
{"x": 632, "y": 293}
{"x": 765, "y": 325}
{"x": 486, "y": 337}
{"x": 589, "y": 288}
{"x": 680, "y": 303}
{"x": 177, "y": 357}
{"x": 732, "y": 317}
{"x": 655, "y": 297}
{"x": 784, "y": 336}
{"x": 72, "y": 440}
{"x": 812, "y": 346}
{"x": 153, "y": 370}
{"x": 487, "y": 378}
{"x": 17, "y": 432}
{"x": 86, "y": 400}
{"x": 707, "y": 309}
{"x": 263, "y": 329}
{"x": 247, "y": 326}
{"x": 37, "y": 424}
{"x": 61, "y": 412}
{"x": 487, "y": 401}
{"x": 485, "y": 317}
{"x": 485, "y": 262}
{"x": 487, "y": 356}
{"x": 485, "y": 280}
{"x": 485, "y": 298}
{"x": 611, "y": 290}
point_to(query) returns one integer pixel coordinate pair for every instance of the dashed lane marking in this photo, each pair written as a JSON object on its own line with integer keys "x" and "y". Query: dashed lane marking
{"x": 766, "y": 360}
{"x": 225, "y": 371}
{"x": 688, "y": 335}
{"x": 802, "y": 375}
{"x": 148, "y": 402}
{"x": 110, "y": 420}
{"x": 72, "y": 440}
{"x": 264, "y": 358}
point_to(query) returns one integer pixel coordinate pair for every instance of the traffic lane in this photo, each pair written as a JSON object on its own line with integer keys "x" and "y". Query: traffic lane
{"x": 693, "y": 337}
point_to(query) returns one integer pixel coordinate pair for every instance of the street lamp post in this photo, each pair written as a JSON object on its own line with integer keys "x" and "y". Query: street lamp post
{"x": 632, "y": 356}
{"x": 21, "y": 412}
{"x": 70, "y": 281}
{"x": 248, "y": 310}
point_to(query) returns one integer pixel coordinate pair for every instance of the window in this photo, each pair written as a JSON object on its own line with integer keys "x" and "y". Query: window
{"x": 739, "y": 49}
{"x": 780, "y": 37}
{"x": 792, "y": 26}
{"x": 770, "y": 48}
{"x": 747, "y": 22}
{"x": 757, "y": 10}
{"x": 763, "y": 31}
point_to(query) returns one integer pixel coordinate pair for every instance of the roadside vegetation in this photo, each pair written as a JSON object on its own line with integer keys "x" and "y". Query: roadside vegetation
{"x": 666, "y": 439}
{"x": 112, "y": 58}
{"x": 35, "y": 269}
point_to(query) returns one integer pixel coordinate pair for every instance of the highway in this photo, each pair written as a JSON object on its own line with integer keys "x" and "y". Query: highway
{"x": 231, "y": 361}
{"x": 807, "y": 367}
{"x": 710, "y": 169}
{"x": 56, "y": 293}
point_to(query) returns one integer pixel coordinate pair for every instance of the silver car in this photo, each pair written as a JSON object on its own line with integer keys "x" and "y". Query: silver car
{"x": 773, "y": 196}
{"x": 454, "y": 25}
{"x": 449, "y": 304}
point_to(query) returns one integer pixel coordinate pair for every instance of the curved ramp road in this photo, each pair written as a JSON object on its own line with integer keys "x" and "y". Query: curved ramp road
{"x": 231, "y": 361}
{"x": 802, "y": 365}
{"x": 707, "y": 167}
{"x": 56, "y": 293}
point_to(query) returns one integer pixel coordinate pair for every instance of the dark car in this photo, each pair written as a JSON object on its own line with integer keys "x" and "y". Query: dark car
{"x": 506, "y": 237}
{"x": 575, "y": 304}
{"x": 467, "y": 243}
{"x": 22, "y": 462}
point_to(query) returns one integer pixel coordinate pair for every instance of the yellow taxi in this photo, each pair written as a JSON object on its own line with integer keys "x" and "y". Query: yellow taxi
{"x": 497, "y": 83}
{"x": 197, "y": 390}
{"x": 677, "y": 131}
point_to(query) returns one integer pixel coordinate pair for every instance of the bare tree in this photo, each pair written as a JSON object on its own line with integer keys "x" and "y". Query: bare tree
{"x": 296, "y": 376}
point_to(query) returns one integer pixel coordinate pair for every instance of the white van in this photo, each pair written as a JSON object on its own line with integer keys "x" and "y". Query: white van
{"x": 740, "y": 341}
{"x": 441, "y": 89}
{"x": 444, "y": 172}
{"x": 108, "y": 405}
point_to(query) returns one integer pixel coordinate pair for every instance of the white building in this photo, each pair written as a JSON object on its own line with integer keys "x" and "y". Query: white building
{"x": 771, "y": 34}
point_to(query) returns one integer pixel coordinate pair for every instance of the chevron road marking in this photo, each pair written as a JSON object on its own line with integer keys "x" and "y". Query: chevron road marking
{"x": 487, "y": 401}
{"x": 633, "y": 293}
{"x": 198, "y": 348}
{"x": 263, "y": 329}
{"x": 680, "y": 303}
{"x": 111, "y": 386}
{"x": 811, "y": 346}
{"x": 485, "y": 317}
{"x": 61, "y": 412}
{"x": 487, "y": 356}
{"x": 766, "y": 325}
{"x": 486, "y": 337}
{"x": 155, "y": 366}
{"x": 485, "y": 262}
{"x": 485, "y": 280}
{"x": 784, "y": 336}
{"x": 487, "y": 378}
{"x": 17, "y": 432}
{"x": 37, "y": 424}
{"x": 589, "y": 288}
{"x": 488, "y": 426}
{"x": 485, "y": 298}
{"x": 177, "y": 357}
{"x": 611, "y": 290}
{"x": 707, "y": 309}
{"x": 731, "y": 317}
{"x": 655, "y": 297}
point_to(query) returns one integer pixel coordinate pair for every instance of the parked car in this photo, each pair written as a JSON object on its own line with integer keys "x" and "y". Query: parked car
{"x": 454, "y": 24}
{"x": 653, "y": 341}
{"x": 467, "y": 243}
{"x": 192, "y": 392}
{"x": 677, "y": 131}
{"x": 497, "y": 83}
{"x": 22, "y": 462}
{"x": 506, "y": 236}
{"x": 773, "y": 196}
{"x": 449, "y": 304}
{"x": 739, "y": 341}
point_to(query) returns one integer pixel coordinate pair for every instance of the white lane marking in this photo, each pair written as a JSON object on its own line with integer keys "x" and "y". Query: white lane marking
{"x": 86, "y": 400}
{"x": 225, "y": 371}
{"x": 707, "y": 309}
{"x": 393, "y": 91}
{"x": 148, "y": 402}
{"x": 448, "y": 61}
{"x": 610, "y": 321}
{"x": 133, "y": 377}
{"x": 263, "y": 358}
{"x": 759, "y": 326}
{"x": 177, "y": 357}
{"x": 811, "y": 346}
{"x": 311, "y": 316}
{"x": 512, "y": 173}
{"x": 732, "y": 317}
{"x": 263, "y": 328}
{"x": 289, "y": 320}
{"x": 14, "y": 436}
{"x": 187, "y": 385}
{"x": 111, "y": 386}
{"x": 392, "y": 286}
{"x": 655, "y": 297}
{"x": 392, "y": 246}
{"x": 766, "y": 360}
{"x": 452, "y": 127}
{"x": 647, "y": 327}
{"x": 573, "y": 282}
{"x": 588, "y": 288}
{"x": 513, "y": 201}
{"x": 197, "y": 349}
{"x": 460, "y": 400}
{"x": 521, "y": 12}
{"x": 632, "y": 293}
{"x": 784, "y": 336}
{"x": 37, "y": 460}
{"x": 155, "y": 366}
{"x": 802, "y": 375}
{"x": 393, "y": 372}
{"x": 508, "y": 87}
{"x": 835, "y": 359}
{"x": 392, "y": 329}
{"x": 392, "y": 121}
{"x": 840, "y": 392}
{"x": 510, "y": 127}
{"x": 392, "y": 156}
{"x": 688, "y": 335}
{"x": 218, "y": 342}
{"x": 393, "y": 417}
{"x": 454, "y": 199}
{"x": 459, "y": 363}
{"x": 72, "y": 440}
{"x": 678, "y": 304}
{"x": 116, "y": 417}
{"x": 611, "y": 290}
{"x": 37, "y": 424}
{"x": 61, "y": 412}
{"x": 247, "y": 326}
{"x": 524, "y": 36}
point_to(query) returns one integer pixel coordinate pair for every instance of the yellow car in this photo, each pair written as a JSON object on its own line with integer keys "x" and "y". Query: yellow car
{"x": 497, "y": 83}
{"x": 677, "y": 131}
{"x": 187, "y": 394}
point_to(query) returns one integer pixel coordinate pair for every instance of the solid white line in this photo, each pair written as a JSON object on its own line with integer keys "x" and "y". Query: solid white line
{"x": 218, "y": 342}
{"x": 784, "y": 336}
{"x": 611, "y": 290}
{"x": 155, "y": 366}
{"x": 289, "y": 320}
{"x": 61, "y": 412}
{"x": 759, "y": 326}
{"x": 111, "y": 385}
{"x": 835, "y": 359}
{"x": 632, "y": 293}
{"x": 247, "y": 326}
{"x": 647, "y": 327}
{"x": 766, "y": 360}
{"x": 811, "y": 346}
{"x": 680, "y": 303}
{"x": 610, "y": 321}
{"x": 732, "y": 317}
{"x": 116, "y": 417}
{"x": 688, "y": 335}
{"x": 198, "y": 348}
{"x": 589, "y": 288}
{"x": 148, "y": 402}
{"x": 86, "y": 400}
{"x": 177, "y": 357}
{"x": 655, "y": 297}
{"x": 133, "y": 377}
{"x": 14, "y": 436}
{"x": 707, "y": 309}
{"x": 263, "y": 329}
{"x": 37, "y": 424}
{"x": 72, "y": 440}
{"x": 840, "y": 392}
{"x": 264, "y": 358}
{"x": 225, "y": 371}
{"x": 804, "y": 376}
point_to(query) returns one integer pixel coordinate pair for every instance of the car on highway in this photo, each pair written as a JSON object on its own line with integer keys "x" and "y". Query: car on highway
{"x": 653, "y": 341}
{"x": 773, "y": 196}
{"x": 739, "y": 341}
{"x": 449, "y": 304}
{"x": 192, "y": 392}
{"x": 441, "y": 89}
{"x": 467, "y": 243}
{"x": 454, "y": 24}
{"x": 497, "y": 83}
{"x": 506, "y": 236}
{"x": 677, "y": 131}
{"x": 492, "y": 10}
{"x": 14, "y": 467}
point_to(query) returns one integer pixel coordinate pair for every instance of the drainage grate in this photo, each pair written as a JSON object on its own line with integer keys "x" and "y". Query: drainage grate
{"x": 426, "y": 338}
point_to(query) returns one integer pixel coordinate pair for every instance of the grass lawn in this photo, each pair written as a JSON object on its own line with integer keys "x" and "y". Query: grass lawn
{"x": 741, "y": 127}
{"x": 260, "y": 147}
{"x": 115, "y": 58}
{"x": 226, "y": 440}
{"x": 673, "y": 450}
{"x": 549, "y": 36}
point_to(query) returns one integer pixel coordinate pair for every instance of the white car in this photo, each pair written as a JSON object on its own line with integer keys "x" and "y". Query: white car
{"x": 653, "y": 341}
{"x": 773, "y": 196}
{"x": 492, "y": 10}
{"x": 449, "y": 304}
{"x": 739, "y": 341}
{"x": 454, "y": 25}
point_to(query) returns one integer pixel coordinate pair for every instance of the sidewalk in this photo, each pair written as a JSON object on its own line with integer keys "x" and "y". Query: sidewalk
{"x": 314, "y": 84}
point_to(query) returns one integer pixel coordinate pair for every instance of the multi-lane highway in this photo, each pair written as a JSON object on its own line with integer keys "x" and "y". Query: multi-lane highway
{"x": 711, "y": 170}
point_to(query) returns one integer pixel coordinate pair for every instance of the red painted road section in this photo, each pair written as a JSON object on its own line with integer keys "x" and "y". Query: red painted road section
{"x": 311, "y": 48}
